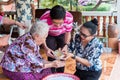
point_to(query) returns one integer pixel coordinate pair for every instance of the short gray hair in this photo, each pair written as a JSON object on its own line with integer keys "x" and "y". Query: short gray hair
{"x": 40, "y": 28}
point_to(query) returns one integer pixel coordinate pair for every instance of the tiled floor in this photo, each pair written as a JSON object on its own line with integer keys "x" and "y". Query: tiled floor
{"x": 108, "y": 60}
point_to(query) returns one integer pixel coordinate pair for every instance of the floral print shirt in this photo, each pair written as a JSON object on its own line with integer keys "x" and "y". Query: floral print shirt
{"x": 65, "y": 27}
{"x": 91, "y": 52}
{"x": 23, "y": 56}
{"x": 24, "y": 11}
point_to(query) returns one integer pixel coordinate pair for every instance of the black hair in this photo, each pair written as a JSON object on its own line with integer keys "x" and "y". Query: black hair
{"x": 57, "y": 12}
{"x": 91, "y": 26}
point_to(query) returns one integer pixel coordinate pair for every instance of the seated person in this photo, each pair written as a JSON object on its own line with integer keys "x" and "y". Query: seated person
{"x": 60, "y": 22}
{"x": 87, "y": 50}
{"x": 7, "y": 21}
{"x": 22, "y": 60}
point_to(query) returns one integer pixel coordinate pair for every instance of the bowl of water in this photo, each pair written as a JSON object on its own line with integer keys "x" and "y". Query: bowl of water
{"x": 61, "y": 76}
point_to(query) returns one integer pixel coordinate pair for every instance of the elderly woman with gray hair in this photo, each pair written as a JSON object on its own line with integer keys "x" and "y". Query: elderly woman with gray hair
{"x": 22, "y": 60}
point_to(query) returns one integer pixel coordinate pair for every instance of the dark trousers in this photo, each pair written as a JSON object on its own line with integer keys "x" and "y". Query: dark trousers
{"x": 88, "y": 75}
{"x": 55, "y": 42}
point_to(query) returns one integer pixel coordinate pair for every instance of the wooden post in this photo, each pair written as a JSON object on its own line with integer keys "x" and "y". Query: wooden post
{"x": 38, "y": 5}
{"x": 115, "y": 19}
{"x": 104, "y": 26}
{"x": 110, "y": 19}
{"x": 92, "y": 17}
{"x": 98, "y": 17}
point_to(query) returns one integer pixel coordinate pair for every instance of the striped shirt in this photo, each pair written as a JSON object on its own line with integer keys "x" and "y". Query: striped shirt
{"x": 56, "y": 31}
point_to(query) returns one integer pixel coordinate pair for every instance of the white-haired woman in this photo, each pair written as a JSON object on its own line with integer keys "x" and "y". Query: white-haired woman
{"x": 22, "y": 60}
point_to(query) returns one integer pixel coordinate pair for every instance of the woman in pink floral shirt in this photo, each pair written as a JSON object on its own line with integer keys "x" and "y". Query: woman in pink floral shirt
{"x": 60, "y": 22}
{"x": 22, "y": 60}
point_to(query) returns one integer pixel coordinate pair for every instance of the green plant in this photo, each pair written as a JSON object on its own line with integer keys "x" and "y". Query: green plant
{"x": 73, "y": 5}
{"x": 102, "y": 7}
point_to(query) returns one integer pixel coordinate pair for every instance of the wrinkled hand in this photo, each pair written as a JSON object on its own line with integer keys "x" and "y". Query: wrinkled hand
{"x": 58, "y": 63}
{"x": 4, "y": 40}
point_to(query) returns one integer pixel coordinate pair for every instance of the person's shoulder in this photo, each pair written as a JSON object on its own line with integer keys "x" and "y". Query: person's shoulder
{"x": 47, "y": 12}
{"x": 45, "y": 15}
{"x": 68, "y": 14}
{"x": 98, "y": 42}
{"x": 68, "y": 17}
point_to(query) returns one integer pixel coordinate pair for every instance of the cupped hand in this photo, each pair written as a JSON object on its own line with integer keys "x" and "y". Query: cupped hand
{"x": 65, "y": 49}
{"x": 50, "y": 53}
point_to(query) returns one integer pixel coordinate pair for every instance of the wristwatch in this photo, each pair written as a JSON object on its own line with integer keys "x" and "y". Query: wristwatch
{"x": 74, "y": 56}
{"x": 66, "y": 44}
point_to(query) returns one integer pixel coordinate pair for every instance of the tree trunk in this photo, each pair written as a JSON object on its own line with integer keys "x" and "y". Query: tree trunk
{"x": 99, "y": 2}
{"x": 71, "y": 5}
{"x": 97, "y": 5}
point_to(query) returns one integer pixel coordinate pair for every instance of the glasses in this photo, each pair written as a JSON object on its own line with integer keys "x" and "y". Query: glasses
{"x": 84, "y": 35}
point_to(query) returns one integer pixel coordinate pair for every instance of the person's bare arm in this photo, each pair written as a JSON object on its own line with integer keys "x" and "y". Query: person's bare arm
{"x": 56, "y": 64}
{"x": 48, "y": 50}
{"x": 6, "y": 2}
{"x": 67, "y": 41}
{"x": 67, "y": 37}
{"x": 33, "y": 12}
{"x": 80, "y": 60}
{"x": 8, "y": 21}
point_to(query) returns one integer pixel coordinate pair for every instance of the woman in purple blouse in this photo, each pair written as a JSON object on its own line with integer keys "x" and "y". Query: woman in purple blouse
{"x": 22, "y": 60}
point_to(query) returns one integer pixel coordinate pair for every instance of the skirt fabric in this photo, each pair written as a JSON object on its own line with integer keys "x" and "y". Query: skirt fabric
{"x": 26, "y": 76}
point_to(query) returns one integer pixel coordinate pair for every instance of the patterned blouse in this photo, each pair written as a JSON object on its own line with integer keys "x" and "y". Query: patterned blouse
{"x": 65, "y": 27}
{"x": 91, "y": 52}
{"x": 23, "y": 8}
{"x": 23, "y": 56}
